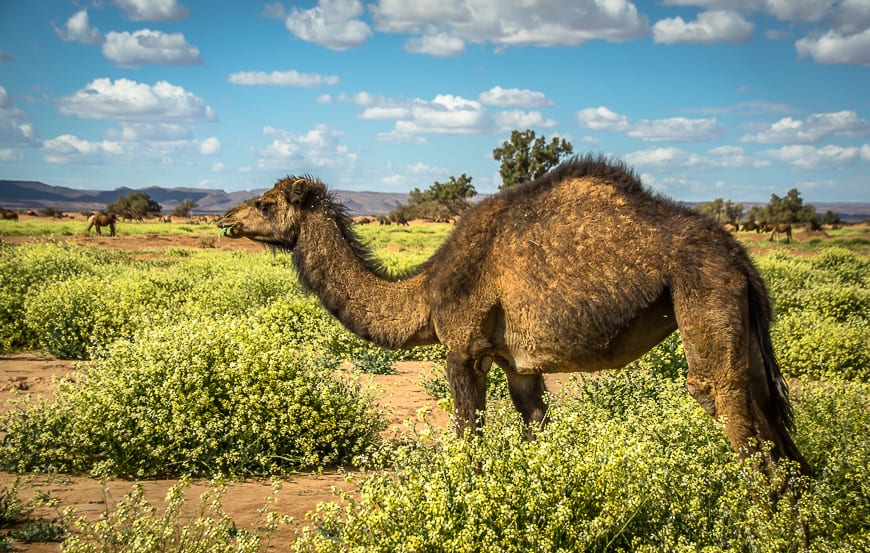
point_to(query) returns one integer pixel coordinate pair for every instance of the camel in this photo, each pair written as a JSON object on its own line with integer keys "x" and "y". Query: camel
{"x": 8, "y": 214}
{"x": 780, "y": 228}
{"x": 99, "y": 220}
{"x": 580, "y": 270}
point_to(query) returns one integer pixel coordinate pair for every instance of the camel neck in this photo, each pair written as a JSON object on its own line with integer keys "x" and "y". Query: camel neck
{"x": 330, "y": 260}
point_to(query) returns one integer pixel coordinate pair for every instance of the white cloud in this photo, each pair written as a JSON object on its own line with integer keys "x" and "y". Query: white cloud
{"x": 445, "y": 114}
{"x": 282, "y": 78}
{"x": 676, "y": 129}
{"x": 211, "y": 146}
{"x": 865, "y": 152}
{"x": 440, "y": 45}
{"x": 7, "y": 155}
{"x": 320, "y": 147}
{"x": 147, "y": 46}
{"x": 67, "y": 148}
{"x": 514, "y": 97}
{"x": 78, "y": 29}
{"x": 711, "y": 26}
{"x": 218, "y": 167}
{"x": 835, "y": 48}
{"x": 511, "y": 23}
{"x": 602, "y": 119}
{"x": 385, "y": 113}
{"x": 812, "y": 129}
{"x": 152, "y": 10}
{"x": 134, "y": 132}
{"x": 126, "y": 100}
{"x": 333, "y": 24}
{"x": 663, "y": 158}
{"x": 815, "y": 159}
{"x": 15, "y": 130}
{"x": 516, "y": 119}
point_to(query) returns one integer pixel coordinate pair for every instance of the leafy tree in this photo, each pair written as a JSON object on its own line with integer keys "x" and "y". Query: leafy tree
{"x": 440, "y": 202}
{"x": 790, "y": 209}
{"x": 830, "y": 218}
{"x": 721, "y": 210}
{"x": 134, "y": 205}
{"x": 525, "y": 157}
{"x": 184, "y": 208}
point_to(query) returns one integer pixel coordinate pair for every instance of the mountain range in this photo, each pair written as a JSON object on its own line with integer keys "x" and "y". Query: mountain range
{"x": 38, "y": 195}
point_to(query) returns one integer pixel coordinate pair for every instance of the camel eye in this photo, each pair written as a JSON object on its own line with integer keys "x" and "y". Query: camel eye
{"x": 266, "y": 208}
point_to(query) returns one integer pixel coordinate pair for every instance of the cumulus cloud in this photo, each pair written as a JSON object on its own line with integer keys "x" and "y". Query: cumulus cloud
{"x": 147, "y": 46}
{"x": 815, "y": 159}
{"x": 8, "y": 154}
{"x": 711, "y": 26}
{"x": 334, "y": 24}
{"x": 78, "y": 29}
{"x": 835, "y": 48}
{"x": 516, "y": 119}
{"x": 814, "y": 128}
{"x": 676, "y": 129}
{"x": 152, "y": 10}
{"x": 509, "y": 23}
{"x": 440, "y": 45}
{"x": 602, "y": 119}
{"x": 15, "y": 128}
{"x": 282, "y": 78}
{"x": 673, "y": 129}
{"x": 67, "y": 148}
{"x": 318, "y": 148}
{"x": 514, "y": 97}
{"x": 722, "y": 157}
{"x": 126, "y": 100}
{"x": 211, "y": 146}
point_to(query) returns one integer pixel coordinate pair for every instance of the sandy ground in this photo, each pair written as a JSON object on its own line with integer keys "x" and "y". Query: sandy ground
{"x": 32, "y": 372}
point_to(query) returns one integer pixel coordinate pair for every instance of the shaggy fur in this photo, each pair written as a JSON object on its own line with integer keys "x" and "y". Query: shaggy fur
{"x": 580, "y": 270}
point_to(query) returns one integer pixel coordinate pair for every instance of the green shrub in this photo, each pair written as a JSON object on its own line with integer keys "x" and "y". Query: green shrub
{"x": 810, "y": 346}
{"x": 207, "y": 396}
{"x": 26, "y": 268}
{"x": 644, "y": 470}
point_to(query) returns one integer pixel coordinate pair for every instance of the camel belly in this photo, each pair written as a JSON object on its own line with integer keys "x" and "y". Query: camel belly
{"x": 581, "y": 348}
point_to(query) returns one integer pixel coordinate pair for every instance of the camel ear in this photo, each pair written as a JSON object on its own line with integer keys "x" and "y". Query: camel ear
{"x": 297, "y": 191}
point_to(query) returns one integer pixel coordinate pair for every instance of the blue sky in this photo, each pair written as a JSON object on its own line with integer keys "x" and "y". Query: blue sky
{"x": 735, "y": 99}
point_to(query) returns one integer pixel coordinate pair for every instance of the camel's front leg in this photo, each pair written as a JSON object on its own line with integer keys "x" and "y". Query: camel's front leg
{"x": 468, "y": 388}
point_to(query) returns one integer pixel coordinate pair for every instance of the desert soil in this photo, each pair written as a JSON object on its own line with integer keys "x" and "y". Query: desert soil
{"x": 31, "y": 372}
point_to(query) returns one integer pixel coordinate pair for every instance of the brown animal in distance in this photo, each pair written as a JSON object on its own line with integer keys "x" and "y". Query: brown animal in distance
{"x": 99, "y": 220}
{"x": 580, "y": 270}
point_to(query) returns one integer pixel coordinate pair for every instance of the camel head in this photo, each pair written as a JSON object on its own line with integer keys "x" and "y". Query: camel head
{"x": 274, "y": 217}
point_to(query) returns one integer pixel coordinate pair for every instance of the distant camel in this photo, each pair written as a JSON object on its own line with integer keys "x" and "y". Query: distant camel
{"x": 749, "y": 226}
{"x": 580, "y": 270}
{"x": 780, "y": 228}
{"x": 102, "y": 220}
{"x": 730, "y": 227}
{"x": 8, "y": 214}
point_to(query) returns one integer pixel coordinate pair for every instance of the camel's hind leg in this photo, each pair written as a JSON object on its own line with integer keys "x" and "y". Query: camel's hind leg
{"x": 727, "y": 375}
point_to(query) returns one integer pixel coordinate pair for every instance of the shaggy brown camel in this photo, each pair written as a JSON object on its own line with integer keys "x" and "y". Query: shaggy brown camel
{"x": 580, "y": 270}
{"x": 101, "y": 220}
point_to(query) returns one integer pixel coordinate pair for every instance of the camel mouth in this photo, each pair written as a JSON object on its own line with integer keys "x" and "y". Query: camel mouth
{"x": 227, "y": 231}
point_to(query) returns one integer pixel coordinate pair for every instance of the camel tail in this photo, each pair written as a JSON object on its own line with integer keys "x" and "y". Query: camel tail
{"x": 778, "y": 407}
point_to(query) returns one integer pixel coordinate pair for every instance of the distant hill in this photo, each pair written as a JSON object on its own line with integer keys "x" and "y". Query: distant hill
{"x": 38, "y": 195}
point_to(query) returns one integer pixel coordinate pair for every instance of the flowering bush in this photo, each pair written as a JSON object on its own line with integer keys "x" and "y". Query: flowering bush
{"x": 209, "y": 396}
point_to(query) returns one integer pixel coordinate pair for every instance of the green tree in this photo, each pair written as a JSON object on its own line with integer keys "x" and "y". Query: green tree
{"x": 790, "y": 209}
{"x": 134, "y": 205}
{"x": 440, "y": 202}
{"x": 184, "y": 208}
{"x": 723, "y": 211}
{"x": 525, "y": 157}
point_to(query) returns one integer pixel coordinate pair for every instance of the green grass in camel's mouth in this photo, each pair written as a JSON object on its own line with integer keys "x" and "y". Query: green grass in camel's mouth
{"x": 226, "y": 231}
